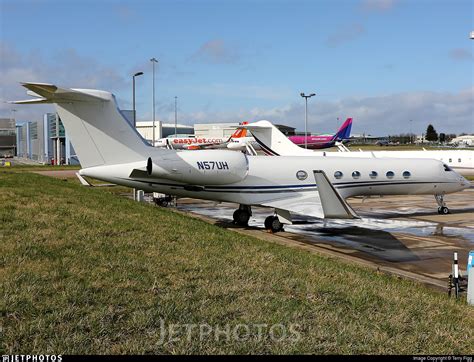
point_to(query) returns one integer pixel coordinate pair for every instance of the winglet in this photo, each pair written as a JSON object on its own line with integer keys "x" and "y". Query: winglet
{"x": 334, "y": 206}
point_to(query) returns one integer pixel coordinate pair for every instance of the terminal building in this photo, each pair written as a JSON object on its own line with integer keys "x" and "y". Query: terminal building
{"x": 162, "y": 130}
{"x": 45, "y": 141}
{"x": 7, "y": 137}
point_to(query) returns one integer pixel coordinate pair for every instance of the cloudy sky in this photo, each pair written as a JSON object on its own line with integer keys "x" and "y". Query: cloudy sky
{"x": 392, "y": 65}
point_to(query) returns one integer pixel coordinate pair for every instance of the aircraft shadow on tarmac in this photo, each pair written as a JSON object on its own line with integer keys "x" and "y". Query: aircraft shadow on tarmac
{"x": 376, "y": 243}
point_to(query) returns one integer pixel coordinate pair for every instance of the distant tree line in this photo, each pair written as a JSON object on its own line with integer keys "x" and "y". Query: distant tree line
{"x": 430, "y": 135}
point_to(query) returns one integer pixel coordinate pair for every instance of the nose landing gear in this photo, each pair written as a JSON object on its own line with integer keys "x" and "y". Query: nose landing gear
{"x": 442, "y": 209}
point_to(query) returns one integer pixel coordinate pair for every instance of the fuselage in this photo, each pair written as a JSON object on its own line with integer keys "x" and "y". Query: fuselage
{"x": 182, "y": 143}
{"x": 268, "y": 178}
{"x": 314, "y": 142}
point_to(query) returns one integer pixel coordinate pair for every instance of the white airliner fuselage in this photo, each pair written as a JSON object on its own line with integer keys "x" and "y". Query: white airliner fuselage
{"x": 271, "y": 139}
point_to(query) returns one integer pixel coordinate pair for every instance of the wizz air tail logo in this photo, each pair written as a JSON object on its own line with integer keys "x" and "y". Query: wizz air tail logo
{"x": 212, "y": 165}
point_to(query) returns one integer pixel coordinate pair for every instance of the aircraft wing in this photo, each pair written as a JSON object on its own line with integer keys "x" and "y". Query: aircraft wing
{"x": 325, "y": 202}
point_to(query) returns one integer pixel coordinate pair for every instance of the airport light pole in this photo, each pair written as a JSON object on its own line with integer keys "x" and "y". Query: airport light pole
{"x": 175, "y": 116}
{"x": 306, "y": 117}
{"x": 153, "y": 61}
{"x": 134, "y": 111}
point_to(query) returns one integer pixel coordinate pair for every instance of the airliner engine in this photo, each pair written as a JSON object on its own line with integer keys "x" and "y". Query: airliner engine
{"x": 201, "y": 167}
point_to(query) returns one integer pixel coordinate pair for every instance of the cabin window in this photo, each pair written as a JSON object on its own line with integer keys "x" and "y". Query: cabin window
{"x": 406, "y": 174}
{"x": 301, "y": 175}
{"x": 390, "y": 174}
{"x": 356, "y": 174}
{"x": 459, "y": 160}
{"x": 338, "y": 174}
{"x": 373, "y": 174}
{"x": 450, "y": 160}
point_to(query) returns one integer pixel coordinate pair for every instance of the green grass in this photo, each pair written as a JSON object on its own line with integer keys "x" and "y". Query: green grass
{"x": 85, "y": 271}
{"x": 40, "y": 167}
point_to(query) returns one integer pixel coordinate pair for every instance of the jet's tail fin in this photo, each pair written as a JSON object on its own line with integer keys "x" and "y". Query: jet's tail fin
{"x": 239, "y": 133}
{"x": 272, "y": 141}
{"x": 99, "y": 133}
{"x": 344, "y": 132}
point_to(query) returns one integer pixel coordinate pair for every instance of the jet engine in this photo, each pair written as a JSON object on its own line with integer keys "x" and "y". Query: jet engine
{"x": 201, "y": 167}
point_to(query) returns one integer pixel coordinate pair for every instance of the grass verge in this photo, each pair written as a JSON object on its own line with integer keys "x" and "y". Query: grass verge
{"x": 84, "y": 272}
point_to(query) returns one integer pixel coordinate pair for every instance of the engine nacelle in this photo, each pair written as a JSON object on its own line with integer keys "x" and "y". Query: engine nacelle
{"x": 201, "y": 167}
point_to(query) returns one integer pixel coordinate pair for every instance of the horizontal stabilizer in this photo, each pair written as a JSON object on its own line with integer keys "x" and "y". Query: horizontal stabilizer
{"x": 49, "y": 93}
{"x": 31, "y": 101}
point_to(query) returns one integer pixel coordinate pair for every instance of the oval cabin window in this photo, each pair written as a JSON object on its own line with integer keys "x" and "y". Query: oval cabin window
{"x": 338, "y": 174}
{"x": 390, "y": 174}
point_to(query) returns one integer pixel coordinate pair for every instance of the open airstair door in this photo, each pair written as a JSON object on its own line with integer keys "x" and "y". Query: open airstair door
{"x": 334, "y": 206}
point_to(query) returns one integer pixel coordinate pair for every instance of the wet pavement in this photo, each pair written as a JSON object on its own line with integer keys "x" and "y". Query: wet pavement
{"x": 400, "y": 234}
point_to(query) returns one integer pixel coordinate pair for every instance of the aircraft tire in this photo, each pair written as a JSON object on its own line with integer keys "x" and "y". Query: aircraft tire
{"x": 241, "y": 217}
{"x": 273, "y": 224}
{"x": 443, "y": 210}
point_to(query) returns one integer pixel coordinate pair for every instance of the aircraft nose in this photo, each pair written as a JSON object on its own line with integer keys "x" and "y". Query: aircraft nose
{"x": 465, "y": 183}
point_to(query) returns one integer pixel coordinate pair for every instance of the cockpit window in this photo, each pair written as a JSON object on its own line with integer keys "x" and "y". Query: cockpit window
{"x": 446, "y": 167}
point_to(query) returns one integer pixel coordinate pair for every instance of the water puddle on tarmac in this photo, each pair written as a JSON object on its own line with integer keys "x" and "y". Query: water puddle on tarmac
{"x": 348, "y": 232}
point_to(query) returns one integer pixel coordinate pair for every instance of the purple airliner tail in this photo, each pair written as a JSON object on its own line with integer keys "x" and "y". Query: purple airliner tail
{"x": 344, "y": 132}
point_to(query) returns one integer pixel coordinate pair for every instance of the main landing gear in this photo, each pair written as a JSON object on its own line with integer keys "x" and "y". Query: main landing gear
{"x": 242, "y": 215}
{"x": 442, "y": 209}
{"x": 273, "y": 224}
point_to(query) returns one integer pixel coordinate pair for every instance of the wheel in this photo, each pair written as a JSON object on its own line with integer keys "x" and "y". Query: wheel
{"x": 439, "y": 210}
{"x": 443, "y": 210}
{"x": 273, "y": 224}
{"x": 241, "y": 217}
{"x": 161, "y": 202}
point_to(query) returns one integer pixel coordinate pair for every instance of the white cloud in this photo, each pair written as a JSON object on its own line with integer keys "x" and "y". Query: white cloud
{"x": 66, "y": 68}
{"x": 377, "y": 115}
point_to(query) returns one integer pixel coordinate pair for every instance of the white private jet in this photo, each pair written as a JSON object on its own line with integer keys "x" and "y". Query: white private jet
{"x": 110, "y": 149}
{"x": 276, "y": 143}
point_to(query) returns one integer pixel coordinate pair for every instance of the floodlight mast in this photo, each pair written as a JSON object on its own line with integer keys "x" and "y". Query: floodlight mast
{"x": 306, "y": 117}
